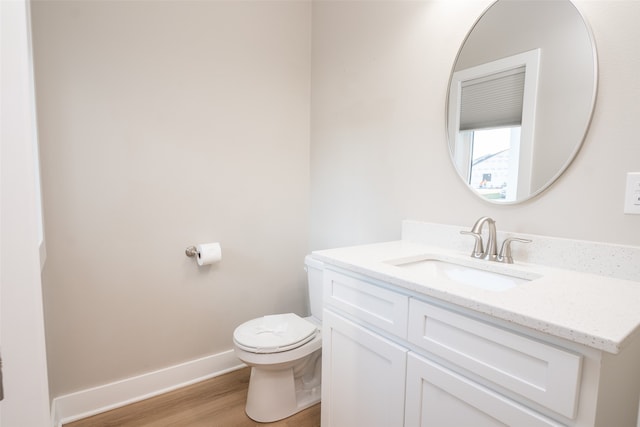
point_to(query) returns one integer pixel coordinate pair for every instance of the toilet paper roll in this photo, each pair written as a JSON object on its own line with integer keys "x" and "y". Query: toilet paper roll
{"x": 208, "y": 253}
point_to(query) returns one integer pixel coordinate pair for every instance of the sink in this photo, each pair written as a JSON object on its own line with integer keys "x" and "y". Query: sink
{"x": 448, "y": 271}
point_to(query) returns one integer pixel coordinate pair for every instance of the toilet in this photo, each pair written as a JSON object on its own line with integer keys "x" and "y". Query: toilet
{"x": 284, "y": 352}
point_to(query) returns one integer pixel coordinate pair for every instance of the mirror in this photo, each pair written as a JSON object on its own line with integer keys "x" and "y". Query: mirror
{"x": 521, "y": 96}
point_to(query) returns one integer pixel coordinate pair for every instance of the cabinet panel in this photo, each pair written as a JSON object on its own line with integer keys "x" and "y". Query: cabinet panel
{"x": 438, "y": 397}
{"x": 377, "y": 306}
{"x": 543, "y": 373}
{"x": 363, "y": 376}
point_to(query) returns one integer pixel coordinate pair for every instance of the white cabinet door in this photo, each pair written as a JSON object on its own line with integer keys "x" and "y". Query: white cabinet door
{"x": 362, "y": 376}
{"x": 438, "y": 397}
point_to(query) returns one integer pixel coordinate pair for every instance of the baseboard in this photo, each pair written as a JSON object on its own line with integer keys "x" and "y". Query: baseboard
{"x": 85, "y": 403}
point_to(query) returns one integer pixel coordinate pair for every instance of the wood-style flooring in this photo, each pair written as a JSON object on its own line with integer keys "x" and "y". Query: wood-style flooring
{"x": 218, "y": 402}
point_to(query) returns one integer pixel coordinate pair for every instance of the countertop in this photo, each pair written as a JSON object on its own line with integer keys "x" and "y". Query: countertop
{"x": 589, "y": 309}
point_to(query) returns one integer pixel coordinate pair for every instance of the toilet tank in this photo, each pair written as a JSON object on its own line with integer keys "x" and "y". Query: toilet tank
{"x": 314, "y": 279}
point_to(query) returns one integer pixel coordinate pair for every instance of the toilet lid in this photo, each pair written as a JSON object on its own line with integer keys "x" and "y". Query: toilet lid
{"x": 275, "y": 333}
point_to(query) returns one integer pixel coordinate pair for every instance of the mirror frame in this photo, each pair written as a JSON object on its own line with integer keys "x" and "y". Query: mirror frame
{"x": 582, "y": 134}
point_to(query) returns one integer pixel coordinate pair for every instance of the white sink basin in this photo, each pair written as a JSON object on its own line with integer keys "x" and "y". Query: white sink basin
{"x": 444, "y": 271}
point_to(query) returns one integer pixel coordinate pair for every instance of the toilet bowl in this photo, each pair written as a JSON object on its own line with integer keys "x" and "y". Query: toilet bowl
{"x": 284, "y": 352}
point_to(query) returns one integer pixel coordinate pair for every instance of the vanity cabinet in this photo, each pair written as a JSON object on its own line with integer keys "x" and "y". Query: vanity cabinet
{"x": 364, "y": 376}
{"x": 392, "y": 357}
{"x": 363, "y": 372}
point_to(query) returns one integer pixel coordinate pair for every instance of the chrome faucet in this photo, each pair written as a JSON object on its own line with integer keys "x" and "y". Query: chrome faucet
{"x": 491, "y": 254}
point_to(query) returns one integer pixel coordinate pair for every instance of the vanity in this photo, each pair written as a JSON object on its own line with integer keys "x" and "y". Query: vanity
{"x": 418, "y": 333}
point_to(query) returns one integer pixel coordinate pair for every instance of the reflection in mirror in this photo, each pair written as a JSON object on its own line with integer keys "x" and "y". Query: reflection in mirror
{"x": 520, "y": 98}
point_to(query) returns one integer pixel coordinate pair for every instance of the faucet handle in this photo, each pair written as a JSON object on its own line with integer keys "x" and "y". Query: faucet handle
{"x": 505, "y": 250}
{"x": 478, "y": 249}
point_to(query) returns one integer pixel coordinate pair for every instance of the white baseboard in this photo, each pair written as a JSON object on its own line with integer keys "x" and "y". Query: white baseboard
{"x": 84, "y": 403}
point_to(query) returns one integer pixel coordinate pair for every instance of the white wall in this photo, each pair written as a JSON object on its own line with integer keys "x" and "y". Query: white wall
{"x": 379, "y": 154}
{"x": 162, "y": 125}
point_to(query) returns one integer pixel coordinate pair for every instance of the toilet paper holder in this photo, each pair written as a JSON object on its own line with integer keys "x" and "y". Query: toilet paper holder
{"x": 205, "y": 253}
{"x": 191, "y": 251}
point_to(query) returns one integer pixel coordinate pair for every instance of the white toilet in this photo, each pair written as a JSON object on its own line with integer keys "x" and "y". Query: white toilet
{"x": 284, "y": 352}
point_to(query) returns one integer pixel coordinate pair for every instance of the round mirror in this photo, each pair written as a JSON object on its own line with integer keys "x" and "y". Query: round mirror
{"x": 521, "y": 95}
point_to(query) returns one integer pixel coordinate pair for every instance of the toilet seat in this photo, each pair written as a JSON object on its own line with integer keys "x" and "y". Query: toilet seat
{"x": 274, "y": 334}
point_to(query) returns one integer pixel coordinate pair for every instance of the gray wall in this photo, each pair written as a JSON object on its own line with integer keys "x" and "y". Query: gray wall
{"x": 380, "y": 73}
{"x": 165, "y": 124}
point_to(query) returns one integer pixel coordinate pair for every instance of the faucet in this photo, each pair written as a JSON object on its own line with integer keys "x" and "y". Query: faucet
{"x": 505, "y": 250}
{"x": 491, "y": 254}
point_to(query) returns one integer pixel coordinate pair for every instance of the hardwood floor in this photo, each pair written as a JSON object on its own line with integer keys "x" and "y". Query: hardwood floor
{"x": 218, "y": 402}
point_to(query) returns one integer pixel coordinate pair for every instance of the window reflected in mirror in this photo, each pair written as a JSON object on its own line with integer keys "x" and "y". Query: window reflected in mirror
{"x": 493, "y": 118}
{"x": 493, "y": 169}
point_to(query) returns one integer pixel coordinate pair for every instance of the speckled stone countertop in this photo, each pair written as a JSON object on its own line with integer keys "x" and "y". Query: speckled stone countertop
{"x": 594, "y": 299}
